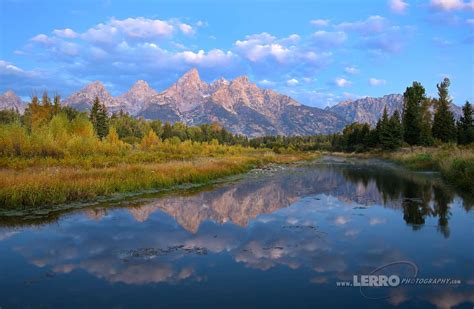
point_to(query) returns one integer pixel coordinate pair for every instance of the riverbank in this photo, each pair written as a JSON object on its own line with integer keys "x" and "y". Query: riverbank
{"x": 455, "y": 164}
{"x": 33, "y": 183}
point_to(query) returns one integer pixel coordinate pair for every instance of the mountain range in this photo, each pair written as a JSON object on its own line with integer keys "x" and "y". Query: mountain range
{"x": 238, "y": 105}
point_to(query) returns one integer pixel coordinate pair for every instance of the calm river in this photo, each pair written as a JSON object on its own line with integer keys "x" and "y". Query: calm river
{"x": 294, "y": 236}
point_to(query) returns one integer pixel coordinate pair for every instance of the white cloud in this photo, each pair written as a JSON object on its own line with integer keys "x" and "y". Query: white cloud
{"x": 292, "y": 82}
{"x": 293, "y": 38}
{"x": 351, "y": 70}
{"x": 97, "y": 53}
{"x": 65, "y": 33}
{"x": 42, "y": 38}
{"x": 342, "y": 82}
{"x": 308, "y": 79}
{"x": 260, "y": 46}
{"x": 139, "y": 28}
{"x": 398, "y": 6}
{"x": 378, "y": 35}
{"x": 201, "y": 23}
{"x": 373, "y": 24}
{"x": 470, "y": 22}
{"x": 118, "y": 51}
{"x": 376, "y": 82}
{"x": 24, "y": 81}
{"x": 314, "y": 57}
{"x": 142, "y": 27}
{"x": 8, "y": 68}
{"x": 451, "y": 5}
{"x": 320, "y": 22}
{"x": 266, "y": 82}
{"x": 263, "y": 37}
{"x": 214, "y": 57}
{"x": 186, "y": 29}
{"x": 329, "y": 39}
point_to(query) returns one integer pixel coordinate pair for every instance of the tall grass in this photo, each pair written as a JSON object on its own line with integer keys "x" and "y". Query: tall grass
{"x": 39, "y": 186}
{"x": 456, "y": 164}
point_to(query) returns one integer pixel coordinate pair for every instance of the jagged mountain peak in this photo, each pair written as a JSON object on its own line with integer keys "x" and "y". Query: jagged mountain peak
{"x": 95, "y": 85}
{"x": 191, "y": 76}
{"x": 134, "y": 99}
{"x": 94, "y": 88}
{"x": 220, "y": 81}
{"x": 140, "y": 83}
{"x": 10, "y": 93}
{"x": 241, "y": 80}
{"x": 84, "y": 98}
{"x": 141, "y": 87}
{"x": 9, "y": 100}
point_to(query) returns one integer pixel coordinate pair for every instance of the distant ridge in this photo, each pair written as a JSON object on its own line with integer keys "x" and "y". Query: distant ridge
{"x": 370, "y": 110}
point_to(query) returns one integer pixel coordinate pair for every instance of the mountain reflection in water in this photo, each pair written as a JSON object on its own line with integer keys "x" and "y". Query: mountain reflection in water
{"x": 288, "y": 234}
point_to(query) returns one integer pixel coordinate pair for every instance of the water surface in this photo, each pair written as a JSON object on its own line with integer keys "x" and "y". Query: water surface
{"x": 283, "y": 236}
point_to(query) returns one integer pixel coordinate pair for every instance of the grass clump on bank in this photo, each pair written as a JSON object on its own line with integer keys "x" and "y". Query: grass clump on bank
{"x": 456, "y": 164}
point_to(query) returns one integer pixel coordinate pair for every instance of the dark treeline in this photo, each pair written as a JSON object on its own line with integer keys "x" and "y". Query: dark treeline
{"x": 423, "y": 121}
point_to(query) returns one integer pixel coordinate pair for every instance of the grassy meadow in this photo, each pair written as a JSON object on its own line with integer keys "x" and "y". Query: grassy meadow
{"x": 51, "y": 184}
{"x": 48, "y": 169}
{"x": 48, "y": 157}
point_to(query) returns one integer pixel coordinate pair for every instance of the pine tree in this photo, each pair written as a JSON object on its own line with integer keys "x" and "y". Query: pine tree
{"x": 444, "y": 127}
{"x": 384, "y": 132}
{"x": 391, "y": 132}
{"x": 465, "y": 125}
{"x": 396, "y": 130}
{"x": 99, "y": 118}
{"x": 412, "y": 99}
{"x": 426, "y": 122}
{"x": 56, "y": 104}
{"x": 373, "y": 137}
{"x": 94, "y": 112}
{"x": 45, "y": 101}
{"x": 102, "y": 122}
{"x": 167, "y": 131}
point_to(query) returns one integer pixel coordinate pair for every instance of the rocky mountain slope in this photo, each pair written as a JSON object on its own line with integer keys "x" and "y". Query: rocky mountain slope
{"x": 9, "y": 100}
{"x": 133, "y": 100}
{"x": 370, "y": 109}
{"x": 83, "y": 99}
{"x": 238, "y": 105}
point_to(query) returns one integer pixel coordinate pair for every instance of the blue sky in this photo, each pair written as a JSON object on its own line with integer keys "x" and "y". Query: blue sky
{"x": 319, "y": 52}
